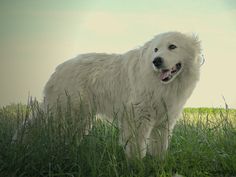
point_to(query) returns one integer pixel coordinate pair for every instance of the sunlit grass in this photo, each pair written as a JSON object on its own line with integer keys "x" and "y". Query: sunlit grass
{"x": 203, "y": 144}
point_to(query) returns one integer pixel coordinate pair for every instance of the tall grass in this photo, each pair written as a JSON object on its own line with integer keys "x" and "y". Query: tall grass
{"x": 203, "y": 144}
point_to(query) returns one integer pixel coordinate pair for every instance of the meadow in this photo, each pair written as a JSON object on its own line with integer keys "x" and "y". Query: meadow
{"x": 203, "y": 144}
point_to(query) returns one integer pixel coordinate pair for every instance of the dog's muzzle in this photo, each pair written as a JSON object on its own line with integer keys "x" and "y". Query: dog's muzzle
{"x": 167, "y": 75}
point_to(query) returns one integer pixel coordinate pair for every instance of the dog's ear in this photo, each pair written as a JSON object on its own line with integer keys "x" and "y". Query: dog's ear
{"x": 196, "y": 43}
{"x": 202, "y": 59}
{"x": 143, "y": 50}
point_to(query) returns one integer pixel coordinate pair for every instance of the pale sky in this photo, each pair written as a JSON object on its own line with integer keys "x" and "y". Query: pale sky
{"x": 37, "y": 35}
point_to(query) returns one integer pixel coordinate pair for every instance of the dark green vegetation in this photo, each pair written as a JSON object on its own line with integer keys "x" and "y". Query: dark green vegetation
{"x": 203, "y": 144}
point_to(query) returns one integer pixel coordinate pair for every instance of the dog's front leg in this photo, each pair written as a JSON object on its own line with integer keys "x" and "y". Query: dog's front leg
{"x": 134, "y": 136}
{"x": 159, "y": 140}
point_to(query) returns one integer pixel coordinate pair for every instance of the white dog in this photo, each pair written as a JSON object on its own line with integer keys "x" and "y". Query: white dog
{"x": 146, "y": 88}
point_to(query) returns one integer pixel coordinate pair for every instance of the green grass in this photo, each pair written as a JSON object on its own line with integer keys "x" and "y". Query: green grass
{"x": 203, "y": 144}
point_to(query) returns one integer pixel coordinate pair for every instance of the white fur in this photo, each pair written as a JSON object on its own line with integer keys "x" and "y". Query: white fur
{"x": 127, "y": 84}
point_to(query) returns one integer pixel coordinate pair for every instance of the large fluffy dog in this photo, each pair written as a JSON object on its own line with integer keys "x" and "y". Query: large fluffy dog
{"x": 146, "y": 88}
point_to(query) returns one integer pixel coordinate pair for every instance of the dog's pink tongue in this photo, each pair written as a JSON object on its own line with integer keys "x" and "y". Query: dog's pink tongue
{"x": 164, "y": 75}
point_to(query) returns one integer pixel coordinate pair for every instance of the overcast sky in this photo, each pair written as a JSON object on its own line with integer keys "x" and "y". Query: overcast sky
{"x": 37, "y": 35}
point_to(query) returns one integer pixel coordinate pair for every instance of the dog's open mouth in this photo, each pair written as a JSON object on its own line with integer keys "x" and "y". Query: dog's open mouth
{"x": 167, "y": 75}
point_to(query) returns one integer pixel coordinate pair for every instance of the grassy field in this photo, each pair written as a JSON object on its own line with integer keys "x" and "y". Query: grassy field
{"x": 203, "y": 144}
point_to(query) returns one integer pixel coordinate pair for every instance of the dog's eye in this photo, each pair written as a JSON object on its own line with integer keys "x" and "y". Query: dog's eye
{"x": 156, "y": 49}
{"x": 172, "y": 46}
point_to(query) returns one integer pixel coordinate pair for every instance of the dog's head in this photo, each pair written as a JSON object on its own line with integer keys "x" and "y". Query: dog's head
{"x": 172, "y": 54}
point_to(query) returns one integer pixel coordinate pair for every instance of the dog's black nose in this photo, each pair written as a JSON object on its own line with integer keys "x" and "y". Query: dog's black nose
{"x": 158, "y": 61}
